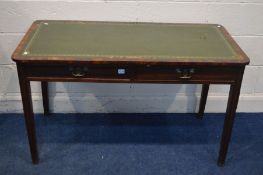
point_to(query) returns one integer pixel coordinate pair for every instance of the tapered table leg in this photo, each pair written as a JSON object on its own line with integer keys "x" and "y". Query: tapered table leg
{"x": 229, "y": 121}
{"x": 28, "y": 114}
{"x": 204, "y": 93}
{"x": 44, "y": 88}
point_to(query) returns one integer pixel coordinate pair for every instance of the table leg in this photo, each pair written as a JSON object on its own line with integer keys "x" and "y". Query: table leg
{"x": 229, "y": 121}
{"x": 204, "y": 93}
{"x": 44, "y": 88}
{"x": 28, "y": 114}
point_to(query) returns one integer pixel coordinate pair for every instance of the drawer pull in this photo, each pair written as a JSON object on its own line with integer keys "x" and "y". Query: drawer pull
{"x": 185, "y": 76}
{"x": 78, "y": 71}
{"x": 186, "y": 73}
{"x": 78, "y": 74}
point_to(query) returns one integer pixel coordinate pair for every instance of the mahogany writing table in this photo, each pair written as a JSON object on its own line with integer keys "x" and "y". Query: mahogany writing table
{"x": 115, "y": 52}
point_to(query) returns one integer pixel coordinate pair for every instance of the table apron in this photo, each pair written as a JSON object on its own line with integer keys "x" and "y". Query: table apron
{"x": 133, "y": 74}
{"x": 100, "y": 80}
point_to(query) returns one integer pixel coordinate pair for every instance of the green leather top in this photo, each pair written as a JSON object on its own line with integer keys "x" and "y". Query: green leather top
{"x": 102, "y": 39}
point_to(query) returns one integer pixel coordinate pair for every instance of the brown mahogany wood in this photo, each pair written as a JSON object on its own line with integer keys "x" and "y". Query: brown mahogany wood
{"x": 204, "y": 93}
{"x": 229, "y": 119}
{"x": 28, "y": 113}
{"x": 44, "y": 88}
{"x": 133, "y": 73}
{"x": 139, "y": 70}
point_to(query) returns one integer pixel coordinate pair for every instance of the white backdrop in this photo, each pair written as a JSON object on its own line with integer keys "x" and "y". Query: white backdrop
{"x": 242, "y": 18}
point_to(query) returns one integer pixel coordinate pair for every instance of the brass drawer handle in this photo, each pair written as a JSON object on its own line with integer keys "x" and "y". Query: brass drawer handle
{"x": 79, "y": 74}
{"x": 186, "y": 73}
{"x": 185, "y": 76}
{"x": 78, "y": 71}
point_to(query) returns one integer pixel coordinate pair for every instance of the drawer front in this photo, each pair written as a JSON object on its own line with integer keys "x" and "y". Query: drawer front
{"x": 78, "y": 71}
{"x": 186, "y": 74}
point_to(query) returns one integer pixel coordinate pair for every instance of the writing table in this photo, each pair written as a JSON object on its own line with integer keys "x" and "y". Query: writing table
{"x": 119, "y": 52}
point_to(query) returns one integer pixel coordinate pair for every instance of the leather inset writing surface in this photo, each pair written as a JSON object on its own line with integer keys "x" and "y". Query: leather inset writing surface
{"x": 96, "y": 39}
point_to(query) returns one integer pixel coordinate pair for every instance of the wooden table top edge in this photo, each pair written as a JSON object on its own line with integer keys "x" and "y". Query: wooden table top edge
{"x": 17, "y": 57}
